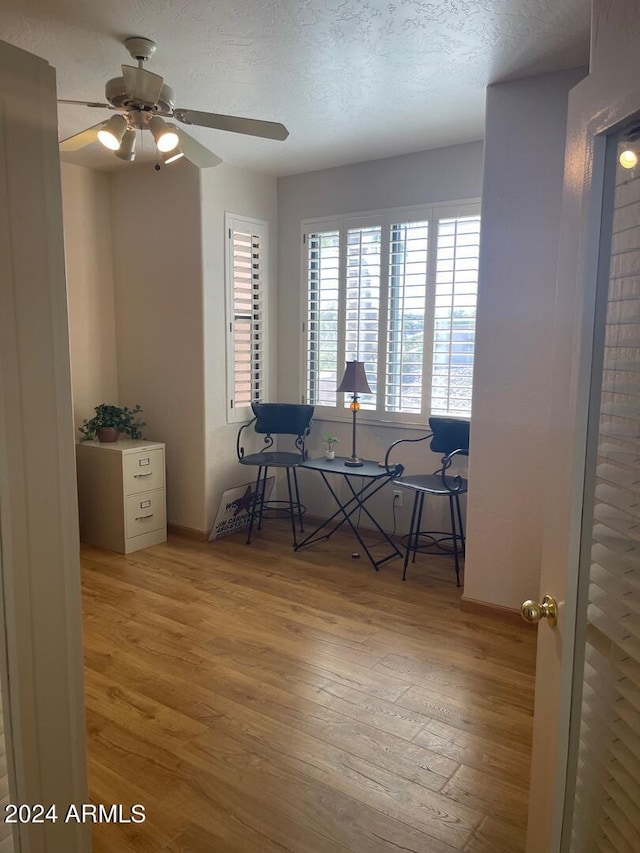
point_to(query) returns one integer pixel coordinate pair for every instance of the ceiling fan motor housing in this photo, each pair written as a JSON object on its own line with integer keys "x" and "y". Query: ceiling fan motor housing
{"x": 140, "y": 48}
{"x": 116, "y": 93}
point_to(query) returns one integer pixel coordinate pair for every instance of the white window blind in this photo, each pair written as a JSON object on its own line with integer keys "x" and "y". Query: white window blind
{"x": 455, "y": 315}
{"x": 363, "y": 304}
{"x": 323, "y": 269}
{"x": 396, "y": 290}
{"x": 606, "y": 811}
{"x": 246, "y": 315}
{"x": 408, "y": 255}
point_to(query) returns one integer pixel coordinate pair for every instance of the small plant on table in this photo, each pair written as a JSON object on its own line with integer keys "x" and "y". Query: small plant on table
{"x": 329, "y": 442}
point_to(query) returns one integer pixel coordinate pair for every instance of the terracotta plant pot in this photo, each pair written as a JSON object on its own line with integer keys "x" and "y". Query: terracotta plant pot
{"x": 107, "y": 434}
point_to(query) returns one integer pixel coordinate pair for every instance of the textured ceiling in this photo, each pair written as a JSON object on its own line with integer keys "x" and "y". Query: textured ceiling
{"x": 352, "y": 79}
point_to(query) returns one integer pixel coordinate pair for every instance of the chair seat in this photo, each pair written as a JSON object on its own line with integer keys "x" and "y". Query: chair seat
{"x": 275, "y": 459}
{"x": 432, "y": 484}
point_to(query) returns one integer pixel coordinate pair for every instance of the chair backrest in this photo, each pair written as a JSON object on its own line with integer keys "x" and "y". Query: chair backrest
{"x": 449, "y": 434}
{"x": 282, "y": 418}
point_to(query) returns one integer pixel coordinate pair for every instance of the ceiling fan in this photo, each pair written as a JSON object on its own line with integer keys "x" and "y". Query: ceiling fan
{"x": 142, "y": 101}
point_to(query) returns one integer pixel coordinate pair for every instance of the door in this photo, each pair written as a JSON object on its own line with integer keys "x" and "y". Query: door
{"x": 605, "y": 102}
{"x": 39, "y": 548}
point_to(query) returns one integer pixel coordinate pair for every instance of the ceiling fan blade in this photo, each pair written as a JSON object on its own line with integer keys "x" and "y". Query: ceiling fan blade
{"x": 82, "y": 139}
{"x": 195, "y": 152}
{"x": 142, "y": 85}
{"x": 234, "y": 124}
{"x": 86, "y": 104}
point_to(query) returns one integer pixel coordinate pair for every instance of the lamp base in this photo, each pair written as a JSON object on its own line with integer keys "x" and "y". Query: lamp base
{"x": 353, "y": 462}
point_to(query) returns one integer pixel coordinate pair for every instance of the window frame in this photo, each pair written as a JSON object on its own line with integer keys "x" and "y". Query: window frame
{"x": 237, "y": 223}
{"x": 384, "y": 217}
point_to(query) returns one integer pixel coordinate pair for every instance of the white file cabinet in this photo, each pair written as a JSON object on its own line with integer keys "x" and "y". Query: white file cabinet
{"x": 121, "y": 494}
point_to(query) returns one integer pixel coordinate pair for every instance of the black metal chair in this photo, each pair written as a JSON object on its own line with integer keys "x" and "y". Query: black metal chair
{"x": 276, "y": 419}
{"x": 449, "y": 437}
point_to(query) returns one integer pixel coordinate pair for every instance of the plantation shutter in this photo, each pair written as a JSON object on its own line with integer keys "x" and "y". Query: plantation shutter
{"x": 323, "y": 276}
{"x": 362, "y": 321}
{"x": 607, "y": 799}
{"x": 246, "y": 313}
{"x": 456, "y": 292}
{"x": 408, "y": 253}
{"x": 397, "y": 290}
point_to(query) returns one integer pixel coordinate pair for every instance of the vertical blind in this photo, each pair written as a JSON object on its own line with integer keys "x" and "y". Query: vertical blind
{"x": 606, "y": 813}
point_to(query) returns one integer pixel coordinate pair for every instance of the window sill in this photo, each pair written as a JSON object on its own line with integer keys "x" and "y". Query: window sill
{"x": 386, "y": 423}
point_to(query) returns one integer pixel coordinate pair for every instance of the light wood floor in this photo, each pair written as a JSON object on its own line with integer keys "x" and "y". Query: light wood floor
{"x": 6, "y": 829}
{"x": 257, "y": 700}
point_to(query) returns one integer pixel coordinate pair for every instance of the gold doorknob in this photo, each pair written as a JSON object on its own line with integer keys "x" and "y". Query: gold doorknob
{"x": 534, "y": 611}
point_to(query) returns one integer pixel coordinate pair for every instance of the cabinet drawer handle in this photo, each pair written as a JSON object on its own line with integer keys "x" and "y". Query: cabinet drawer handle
{"x": 148, "y": 474}
{"x": 142, "y": 517}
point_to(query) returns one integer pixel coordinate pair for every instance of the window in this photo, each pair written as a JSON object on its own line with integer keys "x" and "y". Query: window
{"x": 246, "y": 314}
{"x": 398, "y": 291}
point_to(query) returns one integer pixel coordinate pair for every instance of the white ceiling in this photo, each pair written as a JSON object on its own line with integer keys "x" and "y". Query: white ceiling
{"x": 353, "y": 80}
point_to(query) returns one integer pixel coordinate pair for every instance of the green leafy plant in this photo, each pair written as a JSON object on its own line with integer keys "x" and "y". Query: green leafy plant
{"x": 330, "y": 440}
{"x": 122, "y": 419}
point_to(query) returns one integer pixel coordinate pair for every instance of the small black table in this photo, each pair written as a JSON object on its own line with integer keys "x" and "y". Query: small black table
{"x": 373, "y": 477}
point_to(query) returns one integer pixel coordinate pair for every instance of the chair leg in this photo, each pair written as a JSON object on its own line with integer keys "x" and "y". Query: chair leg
{"x": 414, "y": 532}
{"x": 410, "y": 535}
{"x": 460, "y": 526}
{"x": 291, "y": 507}
{"x": 418, "y": 526}
{"x": 254, "y": 503}
{"x": 299, "y": 505}
{"x": 262, "y": 494}
{"x": 454, "y": 535}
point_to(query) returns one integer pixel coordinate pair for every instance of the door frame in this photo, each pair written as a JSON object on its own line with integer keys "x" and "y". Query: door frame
{"x": 598, "y": 105}
{"x": 38, "y": 504}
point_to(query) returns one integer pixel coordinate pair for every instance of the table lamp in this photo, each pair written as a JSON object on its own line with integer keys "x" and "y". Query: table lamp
{"x": 354, "y": 382}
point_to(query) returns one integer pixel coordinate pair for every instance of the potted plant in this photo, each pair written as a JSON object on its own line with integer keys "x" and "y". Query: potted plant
{"x": 329, "y": 441}
{"x": 109, "y": 422}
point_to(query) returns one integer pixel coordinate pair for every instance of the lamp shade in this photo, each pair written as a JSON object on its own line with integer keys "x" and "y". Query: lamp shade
{"x": 171, "y": 156}
{"x": 112, "y": 132}
{"x": 165, "y": 135}
{"x": 127, "y": 150}
{"x": 354, "y": 380}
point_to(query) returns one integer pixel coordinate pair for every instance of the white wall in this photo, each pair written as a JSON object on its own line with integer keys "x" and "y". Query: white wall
{"x": 156, "y": 230}
{"x": 523, "y": 168}
{"x": 145, "y": 254}
{"x": 232, "y": 190}
{"x": 442, "y": 174}
{"x": 89, "y": 263}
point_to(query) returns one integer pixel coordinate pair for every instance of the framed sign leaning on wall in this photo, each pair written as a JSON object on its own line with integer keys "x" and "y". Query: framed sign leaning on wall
{"x": 233, "y": 512}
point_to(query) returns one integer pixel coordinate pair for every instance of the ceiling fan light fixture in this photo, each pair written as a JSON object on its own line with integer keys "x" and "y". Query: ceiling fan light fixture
{"x": 165, "y": 136}
{"x": 127, "y": 150}
{"x": 171, "y": 156}
{"x": 142, "y": 99}
{"x": 113, "y": 131}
